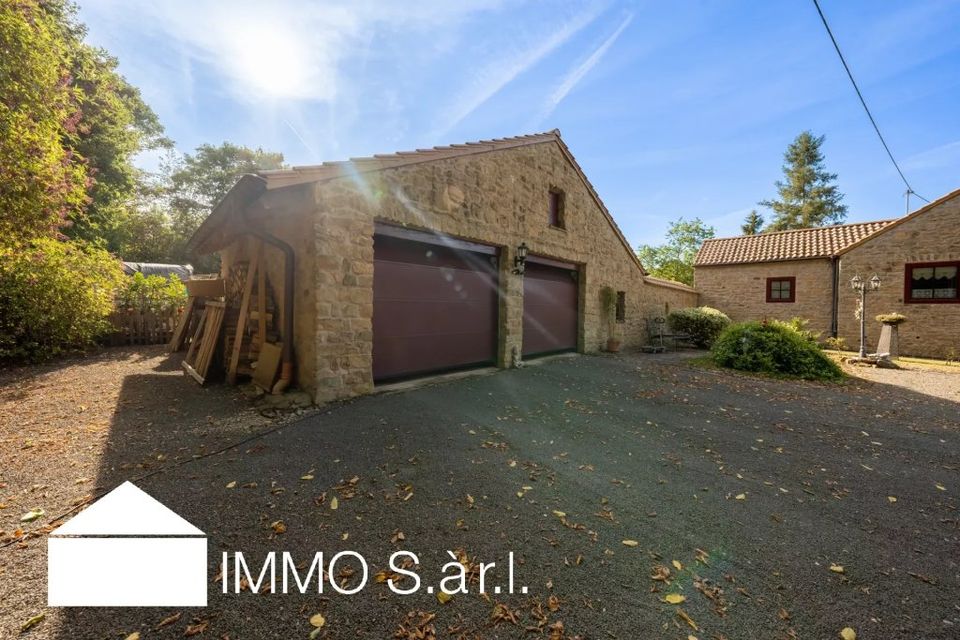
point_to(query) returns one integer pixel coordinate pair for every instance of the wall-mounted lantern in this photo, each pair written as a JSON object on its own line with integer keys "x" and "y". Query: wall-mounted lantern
{"x": 520, "y": 260}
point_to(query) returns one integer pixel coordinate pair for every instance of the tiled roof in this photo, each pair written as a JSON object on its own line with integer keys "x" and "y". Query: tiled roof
{"x": 250, "y": 186}
{"x": 797, "y": 244}
{"x": 378, "y": 162}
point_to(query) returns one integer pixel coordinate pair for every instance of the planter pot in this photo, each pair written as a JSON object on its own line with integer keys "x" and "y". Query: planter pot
{"x": 613, "y": 345}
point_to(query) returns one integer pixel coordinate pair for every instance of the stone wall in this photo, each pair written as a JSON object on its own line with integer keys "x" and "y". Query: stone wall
{"x": 740, "y": 291}
{"x": 498, "y": 198}
{"x": 931, "y": 330}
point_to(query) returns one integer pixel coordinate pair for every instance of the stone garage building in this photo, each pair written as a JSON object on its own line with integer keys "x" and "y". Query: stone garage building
{"x": 410, "y": 263}
{"x": 806, "y": 273}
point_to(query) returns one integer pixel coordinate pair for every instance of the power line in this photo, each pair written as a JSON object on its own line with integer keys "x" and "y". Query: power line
{"x": 865, "y": 107}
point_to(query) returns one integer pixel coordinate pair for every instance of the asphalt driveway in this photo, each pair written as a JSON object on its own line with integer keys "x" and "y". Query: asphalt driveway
{"x": 776, "y": 509}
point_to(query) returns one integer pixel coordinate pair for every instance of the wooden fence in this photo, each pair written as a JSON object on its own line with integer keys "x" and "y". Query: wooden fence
{"x": 132, "y": 326}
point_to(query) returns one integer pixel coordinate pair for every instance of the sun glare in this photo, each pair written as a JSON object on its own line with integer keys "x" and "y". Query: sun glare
{"x": 273, "y": 62}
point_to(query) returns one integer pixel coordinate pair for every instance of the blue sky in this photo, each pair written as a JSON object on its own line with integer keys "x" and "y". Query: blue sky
{"x": 673, "y": 108}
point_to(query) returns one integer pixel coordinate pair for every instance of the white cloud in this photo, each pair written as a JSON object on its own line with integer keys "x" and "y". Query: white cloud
{"x": 577, "y": 73}
{"x": 282, "y": 49}
{"x": 935, "y": 158}
{"x": 501, "y": 71}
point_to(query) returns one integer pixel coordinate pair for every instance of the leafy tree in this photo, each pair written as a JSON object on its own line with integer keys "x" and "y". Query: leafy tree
{"x": 807, "y": 195}
{"x": 70, "y": 126}
{"x": 42, "y": 180}
{"x": 198, "y": 181}
{"x": 114, "y": 124}
{"x": 753, "y": 224}
{"x": 674, "y": 259}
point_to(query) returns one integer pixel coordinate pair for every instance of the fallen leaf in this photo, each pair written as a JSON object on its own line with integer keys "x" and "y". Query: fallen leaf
{"x": 443, "y": 597}
{"x": 231, "y": 485}
{"x": 334, "y": 503}
{"x": 32, "y": 622}
{"x": 941, "y": 487}
{"x": 32, "y": 515}
{"x": 741, "y": 496}
{"x": 674, "y": 598}
{"x": 134, "y": 636}
{"x": 308, "y": 476}
{"x": 169, "y": 620}
{"x": 560, "y": 514}
{"x": 836, "y": 568}
{"x": 683, "y": 614}
{"x": 278, "y": 527}
{"x": 676, "y": 565}
{"x": 630, "y": 543}
{"x": 892, "y": 498}
{"x": 848, "y": 634}
{"x": 195, "y": 629}
{"x": 318, "y": 620}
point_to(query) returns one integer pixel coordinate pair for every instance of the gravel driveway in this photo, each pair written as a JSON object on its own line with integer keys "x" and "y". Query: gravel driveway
{"x": 775, "y": 509}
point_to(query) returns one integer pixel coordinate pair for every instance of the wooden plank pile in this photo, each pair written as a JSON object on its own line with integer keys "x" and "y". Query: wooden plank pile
{"x": 240, "y": 319}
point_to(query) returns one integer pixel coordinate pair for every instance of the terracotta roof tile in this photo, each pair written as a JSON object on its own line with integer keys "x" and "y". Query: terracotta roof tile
{"x": 312, "y": 173}
{"x": 797, "y": 244}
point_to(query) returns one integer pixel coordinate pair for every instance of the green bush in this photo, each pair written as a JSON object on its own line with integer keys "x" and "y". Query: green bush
{"x": 152, "y": 293}
{"x": 702, "y": 324}
{"x": 800, "y": 325}
{"x": 773, "y": 347}
{"x": 54, "y": 296}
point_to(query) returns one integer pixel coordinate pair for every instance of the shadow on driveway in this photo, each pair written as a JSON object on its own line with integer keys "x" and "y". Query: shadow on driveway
{"x": 746, "y": 491}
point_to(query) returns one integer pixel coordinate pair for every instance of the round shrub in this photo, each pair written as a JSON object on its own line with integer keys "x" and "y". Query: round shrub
{"x": 773, "y": 347}
{"x": 702, "y": 324}
{"x": 54, "y": 296}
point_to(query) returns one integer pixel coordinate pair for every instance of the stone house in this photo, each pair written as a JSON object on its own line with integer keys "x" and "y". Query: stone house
{"x": 438, "y": 259}
{"x": 806, "y": 273}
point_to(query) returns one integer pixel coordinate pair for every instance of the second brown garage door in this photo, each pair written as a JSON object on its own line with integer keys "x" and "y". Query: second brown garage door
{"x": 550, "y": 303}
{"x": 435, "y": 306}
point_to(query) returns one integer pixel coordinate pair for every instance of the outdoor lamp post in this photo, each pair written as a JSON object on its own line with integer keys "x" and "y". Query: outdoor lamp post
{"x": 861, "y": 286}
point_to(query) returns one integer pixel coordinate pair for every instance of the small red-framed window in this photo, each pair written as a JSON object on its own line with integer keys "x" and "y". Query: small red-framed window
{"x": 932, "y": 282}
{"x": 782, "y": 289}
{"x": 555, "y": 208}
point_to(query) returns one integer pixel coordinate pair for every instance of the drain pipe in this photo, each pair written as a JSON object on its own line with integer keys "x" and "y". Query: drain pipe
{"x": 834, "y": 298}
{"x": 286, "y": 367}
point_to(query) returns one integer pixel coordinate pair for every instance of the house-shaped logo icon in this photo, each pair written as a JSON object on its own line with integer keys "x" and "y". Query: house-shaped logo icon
{"x": 127, "y": 550}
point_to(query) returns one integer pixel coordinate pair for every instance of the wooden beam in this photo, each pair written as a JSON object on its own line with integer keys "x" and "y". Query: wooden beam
{"x": 252, "y": 269}
{"x": 262, "y": 298}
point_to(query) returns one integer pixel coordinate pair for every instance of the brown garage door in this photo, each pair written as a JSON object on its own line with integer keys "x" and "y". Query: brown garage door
{"x": 550, "y": 303}
{"x": 435, "y": 307}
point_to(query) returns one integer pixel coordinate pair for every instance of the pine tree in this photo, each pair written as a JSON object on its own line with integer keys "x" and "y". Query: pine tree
{"x": 753, "y": 224}
{"x": 808, "y": 196}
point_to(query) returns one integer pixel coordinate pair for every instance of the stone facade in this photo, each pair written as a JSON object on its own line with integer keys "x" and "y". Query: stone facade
{"x": 933, "y": 235}
{"x": 740, "y": 291}
{"x": 927, "y": 235}
{"x": 497, "y": 198}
